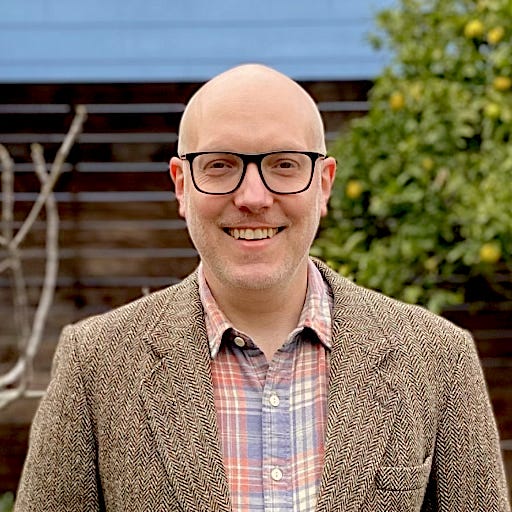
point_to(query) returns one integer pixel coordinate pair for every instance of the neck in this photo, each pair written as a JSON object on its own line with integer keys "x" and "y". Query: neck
{"x": 267, "y": 315}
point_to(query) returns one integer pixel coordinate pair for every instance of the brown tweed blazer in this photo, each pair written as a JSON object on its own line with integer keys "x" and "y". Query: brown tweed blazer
{"x": 129, "y": 422}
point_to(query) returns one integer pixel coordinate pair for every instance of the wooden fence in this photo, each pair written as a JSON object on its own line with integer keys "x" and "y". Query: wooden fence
{"x": 120, "y": 232}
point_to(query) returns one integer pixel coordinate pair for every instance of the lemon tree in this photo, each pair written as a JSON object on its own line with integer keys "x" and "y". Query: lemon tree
{"x": 423, "y": 197}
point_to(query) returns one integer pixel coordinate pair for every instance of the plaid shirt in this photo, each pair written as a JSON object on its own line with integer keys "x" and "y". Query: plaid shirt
{"x": 272, "y": 415}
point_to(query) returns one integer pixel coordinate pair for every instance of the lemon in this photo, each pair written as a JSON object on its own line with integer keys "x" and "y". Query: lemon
{"x": 354, "y": 189}
{"x": 415, "y": 90}
{"x": 502, "y": 83}
{"x": 473, "y": 29}
{"x": 492, "y": 110}
{"x": 490, "y": 252}
{"x": 431, "y": 264}
{"x": 427, "y": 163}
{"x": 495, "y": 35}
{"x": 396, "y": 101}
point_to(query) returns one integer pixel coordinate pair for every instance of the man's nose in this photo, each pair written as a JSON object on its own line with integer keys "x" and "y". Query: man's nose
{"x": 252, "y": 193}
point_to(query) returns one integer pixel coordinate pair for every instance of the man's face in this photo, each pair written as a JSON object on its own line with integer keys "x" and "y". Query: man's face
{"x": 253, "y": 239}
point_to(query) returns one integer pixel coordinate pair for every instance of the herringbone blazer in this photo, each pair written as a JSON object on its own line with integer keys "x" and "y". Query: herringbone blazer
{"x": 129, "y": 422}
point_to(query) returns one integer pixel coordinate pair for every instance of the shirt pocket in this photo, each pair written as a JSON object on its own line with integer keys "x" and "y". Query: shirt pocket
{"x": 403, "y": 478}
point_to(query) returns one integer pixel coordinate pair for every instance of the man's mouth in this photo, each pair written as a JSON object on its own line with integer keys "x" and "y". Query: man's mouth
{"x": 252, "y": 234}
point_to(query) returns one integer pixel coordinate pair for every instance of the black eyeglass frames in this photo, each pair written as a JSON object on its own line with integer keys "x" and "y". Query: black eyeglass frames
{"x": 222, "y": 172}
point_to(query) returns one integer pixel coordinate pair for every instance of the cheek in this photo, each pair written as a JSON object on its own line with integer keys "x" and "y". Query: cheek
{"x": 200, "y": 208}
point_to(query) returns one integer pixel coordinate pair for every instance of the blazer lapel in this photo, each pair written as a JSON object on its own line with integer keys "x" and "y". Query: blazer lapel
{"x": 178, "y": 395}
{"x": 362, "y": 403}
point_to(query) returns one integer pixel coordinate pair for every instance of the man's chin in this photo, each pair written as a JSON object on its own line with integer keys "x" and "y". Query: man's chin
{"x": 254, "y": 277}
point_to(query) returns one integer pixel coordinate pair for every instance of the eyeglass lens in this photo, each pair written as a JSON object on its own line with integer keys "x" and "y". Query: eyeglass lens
{"x": 281, "y": 172}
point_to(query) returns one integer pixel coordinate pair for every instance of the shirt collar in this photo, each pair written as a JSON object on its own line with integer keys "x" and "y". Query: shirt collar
{"x": 316, "y": 312}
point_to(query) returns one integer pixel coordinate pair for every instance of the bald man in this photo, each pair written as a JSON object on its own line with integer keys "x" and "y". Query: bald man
{"x": 264, "y": 381}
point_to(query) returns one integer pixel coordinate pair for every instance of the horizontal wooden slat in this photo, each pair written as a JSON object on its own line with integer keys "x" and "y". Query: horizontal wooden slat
{"x": 78, "y": 225}
{"x": 37, "y": 109}
{"x": 108, "y": 210}
{"x": 114, "y": 268}
{"x": 474, "y": 317}
{"x": 89, "y": 138}
{"x": 121, "y": 253}
{"x": 74, "y": 93}
{"x": 495, "y": 343}
{"x": 114, "y": 196}
{"x": 104, "y": 181}
{"x": 123, "y": 167}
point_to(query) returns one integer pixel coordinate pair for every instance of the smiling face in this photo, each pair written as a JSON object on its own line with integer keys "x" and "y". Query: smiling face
{"x": 252, "y": 239}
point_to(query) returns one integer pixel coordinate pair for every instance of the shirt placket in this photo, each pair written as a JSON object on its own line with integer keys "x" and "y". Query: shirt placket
{"x": 276, "y": 425}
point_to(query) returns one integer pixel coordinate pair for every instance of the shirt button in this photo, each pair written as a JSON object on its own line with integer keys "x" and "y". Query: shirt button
{"x": 239, "y": 342}
{"x": 276, "y": 474}
{"x": 274, "y": 400}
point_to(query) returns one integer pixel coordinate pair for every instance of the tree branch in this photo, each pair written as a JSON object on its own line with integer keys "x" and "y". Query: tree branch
{"x": 56, "y": 169}
{"x": 7, "y": 194}
{"x": 32, "y": 337}
{"x": 52, "y": 257}
{"x": 13, "y": 260}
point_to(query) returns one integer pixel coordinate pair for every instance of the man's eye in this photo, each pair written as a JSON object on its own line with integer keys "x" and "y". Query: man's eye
{"x": 218, "y": 164}
{"x": 286, "y": 164}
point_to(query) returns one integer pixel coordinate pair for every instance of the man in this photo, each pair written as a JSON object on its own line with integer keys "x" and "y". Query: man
{"x": 263, "y": 381}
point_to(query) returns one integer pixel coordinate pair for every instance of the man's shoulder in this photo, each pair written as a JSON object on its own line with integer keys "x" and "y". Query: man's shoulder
{"x": 408, "y": 321}
{"x": 142, "y": 314}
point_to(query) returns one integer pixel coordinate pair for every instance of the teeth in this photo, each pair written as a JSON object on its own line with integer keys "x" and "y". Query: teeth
{"x": 253, "y": 234}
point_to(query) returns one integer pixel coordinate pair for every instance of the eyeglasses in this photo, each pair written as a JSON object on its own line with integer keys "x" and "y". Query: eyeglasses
{"x": 282, "y": 172}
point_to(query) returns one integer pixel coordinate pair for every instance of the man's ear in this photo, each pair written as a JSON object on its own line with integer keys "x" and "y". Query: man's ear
{"x": 328, "y": 175}
{"x": 178, "y": 178}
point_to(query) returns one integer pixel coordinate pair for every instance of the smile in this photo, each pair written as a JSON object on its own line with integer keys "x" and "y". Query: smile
{"x": 251, "y": 234}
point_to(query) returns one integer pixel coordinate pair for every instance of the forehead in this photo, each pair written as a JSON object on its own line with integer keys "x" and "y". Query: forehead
{"x": 256, "y": 122}
{"x": 252, "y": 115}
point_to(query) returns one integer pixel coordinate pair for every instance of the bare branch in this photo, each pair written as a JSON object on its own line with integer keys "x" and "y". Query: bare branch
{"x": 13, "y": 374}
{"x": 28, "y": 351}
{"x": 13, "y": 261}
{"x": 20, "y": 298}
{"x": 5, "y": 264}
{"x": 21, "y": 318}
{"x": 52, "y": 257}
{"x": 56, "y": 169}
{"x": 32, "y": 337}
{"x": 7, "y": 193}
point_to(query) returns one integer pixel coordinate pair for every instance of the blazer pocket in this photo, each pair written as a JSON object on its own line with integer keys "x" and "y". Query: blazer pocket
{"x": 403, "y": 478}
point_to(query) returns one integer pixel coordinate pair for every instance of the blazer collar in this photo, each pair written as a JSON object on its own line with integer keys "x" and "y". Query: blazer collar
{"x": 178, "y": 395}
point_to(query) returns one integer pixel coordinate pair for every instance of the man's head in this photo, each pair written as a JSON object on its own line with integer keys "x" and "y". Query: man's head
{"x": 252, "y": 109}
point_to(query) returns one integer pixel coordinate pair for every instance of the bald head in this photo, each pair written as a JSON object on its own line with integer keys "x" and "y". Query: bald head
{"x": 257, "y": 94}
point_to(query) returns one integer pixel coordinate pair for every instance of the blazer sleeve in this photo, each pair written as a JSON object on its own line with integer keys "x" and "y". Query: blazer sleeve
{"x": 60, "y": 471}
{"x": 468, "y": 473}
